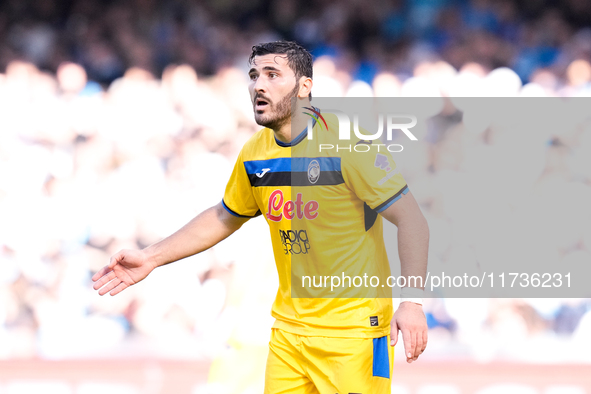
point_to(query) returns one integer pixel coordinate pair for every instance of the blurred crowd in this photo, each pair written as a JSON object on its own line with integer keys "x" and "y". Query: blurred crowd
{"x": 121, "y": 121}
{"x": 109, "y": 37}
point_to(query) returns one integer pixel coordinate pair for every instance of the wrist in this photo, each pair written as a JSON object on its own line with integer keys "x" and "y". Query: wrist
{"x": 411, "y": 294}
{"x": 151, "y": 256}
{"x": 418, "y": 301}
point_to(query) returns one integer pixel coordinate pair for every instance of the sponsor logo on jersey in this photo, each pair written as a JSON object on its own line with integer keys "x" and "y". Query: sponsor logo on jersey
{"x": 373, "y": 321}
{"x": 313, "y": 171}
{"x": 295, "y": 241}
{"x": 263, "y": 172}
{"x": 382, "y": 162}
{"x": 279, "y": 208}
{"x": 388, "y": 176}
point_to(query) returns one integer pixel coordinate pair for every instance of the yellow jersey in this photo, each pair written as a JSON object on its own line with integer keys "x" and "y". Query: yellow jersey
{"x": 322, "y": 207}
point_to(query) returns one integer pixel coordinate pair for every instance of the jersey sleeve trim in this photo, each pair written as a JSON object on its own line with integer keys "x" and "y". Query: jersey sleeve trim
{"x": 383, "y": 206}
{"x": 237, "y": 214}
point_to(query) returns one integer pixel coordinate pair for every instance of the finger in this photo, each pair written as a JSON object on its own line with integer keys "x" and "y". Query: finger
{"x": 425, "y": 339}
{"x": 419, "y": 345}
{"x": 110, "y": 286}
{"x": 100, "y": 273}
{"x": 409, "y": 345}
{"x": 104, "y": 280}
{"x": 120, "y": 287}
{"x": 393, "y": 334}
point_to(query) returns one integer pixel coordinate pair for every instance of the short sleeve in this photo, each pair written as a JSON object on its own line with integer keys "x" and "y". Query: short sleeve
{"x": 239, "y": 198}
{"x": 373, "y": 177}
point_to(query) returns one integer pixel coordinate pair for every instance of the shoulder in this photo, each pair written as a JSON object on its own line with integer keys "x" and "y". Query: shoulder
{"x": 257, "y": 144}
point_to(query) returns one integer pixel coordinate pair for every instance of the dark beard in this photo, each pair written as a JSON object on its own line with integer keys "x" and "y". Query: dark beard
{"x": 281, "y": 112}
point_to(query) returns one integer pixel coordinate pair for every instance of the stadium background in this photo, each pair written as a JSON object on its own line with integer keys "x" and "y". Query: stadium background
{"x": 120, "y": 120}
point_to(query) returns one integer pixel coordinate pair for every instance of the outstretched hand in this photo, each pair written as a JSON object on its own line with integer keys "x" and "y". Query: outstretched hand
{"x": 410, "y": 320}
{"x": 126, "y": 268}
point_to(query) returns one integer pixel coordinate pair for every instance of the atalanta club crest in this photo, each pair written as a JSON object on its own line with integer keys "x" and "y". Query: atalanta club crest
{"x": 313, "y": 171}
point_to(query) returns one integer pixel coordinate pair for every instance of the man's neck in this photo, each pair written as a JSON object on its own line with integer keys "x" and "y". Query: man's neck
{"x": 298, "y": 123}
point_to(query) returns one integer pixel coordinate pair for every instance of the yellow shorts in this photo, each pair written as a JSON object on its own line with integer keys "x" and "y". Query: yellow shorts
{"x": 307, "y": 365}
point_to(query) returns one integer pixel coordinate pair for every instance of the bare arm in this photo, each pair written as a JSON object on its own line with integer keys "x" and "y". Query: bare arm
{"x": 201, "y": 233}
{"x": 413, "y": 245}
{"x": 413, "y": 235}
{"x": 128, "y": 267}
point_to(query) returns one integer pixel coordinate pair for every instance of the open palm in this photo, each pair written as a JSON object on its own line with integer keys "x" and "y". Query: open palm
{"x": 126, "y": 268}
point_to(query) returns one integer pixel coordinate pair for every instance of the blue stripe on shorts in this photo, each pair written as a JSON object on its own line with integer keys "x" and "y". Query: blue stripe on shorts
{"x": 381, "y": 361}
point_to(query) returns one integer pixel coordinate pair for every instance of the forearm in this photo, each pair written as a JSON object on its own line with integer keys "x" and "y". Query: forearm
{"x": 413, "y": 246}
{"x": 413, "y": 237}
{"x": 201, "y": 233}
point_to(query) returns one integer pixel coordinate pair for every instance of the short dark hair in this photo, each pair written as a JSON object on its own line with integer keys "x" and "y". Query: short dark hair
{"x": 298, "y": 57}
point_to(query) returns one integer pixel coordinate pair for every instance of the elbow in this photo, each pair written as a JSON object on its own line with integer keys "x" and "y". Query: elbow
{"x": 422, "y": 224}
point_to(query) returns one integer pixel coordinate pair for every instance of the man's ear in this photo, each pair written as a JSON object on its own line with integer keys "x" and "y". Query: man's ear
{"x": 305, "y": 87}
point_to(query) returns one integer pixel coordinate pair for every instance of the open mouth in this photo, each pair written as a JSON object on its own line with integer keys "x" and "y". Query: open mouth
{"x": 260, "y": 104}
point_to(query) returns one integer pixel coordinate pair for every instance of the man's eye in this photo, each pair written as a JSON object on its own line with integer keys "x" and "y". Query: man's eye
{"x": 273, "y": 75}
{"x": 253, "y": 77}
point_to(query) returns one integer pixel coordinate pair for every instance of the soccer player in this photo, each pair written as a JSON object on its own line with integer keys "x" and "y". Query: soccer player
{"x": 318, "y": 344}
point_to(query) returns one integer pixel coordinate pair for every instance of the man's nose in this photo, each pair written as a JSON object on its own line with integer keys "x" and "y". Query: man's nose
{"x": 260, "y": 86}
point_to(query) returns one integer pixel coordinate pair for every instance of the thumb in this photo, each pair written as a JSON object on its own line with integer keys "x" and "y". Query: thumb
{"x": 116, "y": 258}
{"x": 393, "y": 333}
